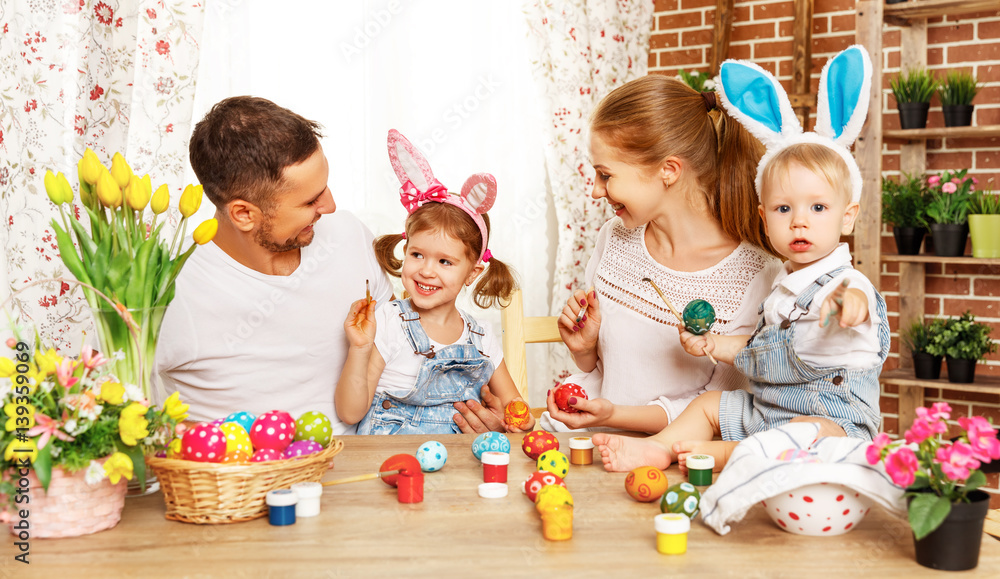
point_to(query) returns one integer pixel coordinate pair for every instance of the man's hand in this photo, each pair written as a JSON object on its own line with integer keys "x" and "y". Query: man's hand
{"x": 475, "y": 417}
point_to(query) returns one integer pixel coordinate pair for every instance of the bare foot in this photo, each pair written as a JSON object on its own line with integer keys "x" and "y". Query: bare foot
{"x": 623, "y": 453}
{"x": 719, "y": 449}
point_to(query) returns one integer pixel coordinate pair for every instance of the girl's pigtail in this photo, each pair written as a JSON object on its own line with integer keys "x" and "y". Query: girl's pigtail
{"x": 385, "y": 253}
{"x": 495, "y": 286}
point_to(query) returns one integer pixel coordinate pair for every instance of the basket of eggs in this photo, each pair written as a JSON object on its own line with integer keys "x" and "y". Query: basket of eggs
{"x": 220, "y": 472}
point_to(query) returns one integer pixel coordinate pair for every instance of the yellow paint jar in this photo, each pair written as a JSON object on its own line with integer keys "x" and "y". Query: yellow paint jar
{"x": 672, "y": 533}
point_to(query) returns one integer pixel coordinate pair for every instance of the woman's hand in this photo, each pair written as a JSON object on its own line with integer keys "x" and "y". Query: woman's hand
{"x": 596, "y": 412}
{"x": 581, "y": 337}
{"x": 360, "y": 324}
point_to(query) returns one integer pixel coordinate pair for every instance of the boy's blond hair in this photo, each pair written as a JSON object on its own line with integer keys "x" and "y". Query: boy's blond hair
{"x": 812, "y": 157}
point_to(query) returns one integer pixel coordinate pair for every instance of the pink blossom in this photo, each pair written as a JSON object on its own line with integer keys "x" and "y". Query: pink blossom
{"x": 933, "y": 180}
{"x": 937, "y": 411}
{"x": 956, "y": 180}
{"x": 901, "y": 466}
{"x": 956, "y": 460}
{"x": 982, "y": 437}
{"x": 874, "y": 451}
{"x": 923, "y": 429}
{"x": 64, "y": 373}
{"x": 92, "y": 359}
{"x": 48, "y": 427}
{"x": 949, "y": 187}
{"x": 974, "y": 181}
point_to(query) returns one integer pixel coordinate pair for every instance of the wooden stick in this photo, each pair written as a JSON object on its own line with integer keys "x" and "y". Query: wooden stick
{"x": 361, "y": 477}
{"x": 368, "y": 293}
{"x": 677, "y": 314}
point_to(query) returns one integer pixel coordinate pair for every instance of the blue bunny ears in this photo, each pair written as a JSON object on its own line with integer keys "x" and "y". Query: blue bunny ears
{"x": 752, "y": 96}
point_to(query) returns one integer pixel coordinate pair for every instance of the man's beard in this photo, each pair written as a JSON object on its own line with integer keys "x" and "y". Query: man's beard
{"x": 263, "y": 238}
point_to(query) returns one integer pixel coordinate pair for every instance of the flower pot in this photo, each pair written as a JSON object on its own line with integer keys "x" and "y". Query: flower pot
{"x": 954, "y": 546}
{"x": 985, "y": 232}
{"x": 961, "y": 371}
{"x": 926, "y": 366}
{"x": 949, "y": 238}
{"x": 894, "y": 1}
{"x": 908, "y": 239}
{"x": 71, "y": 507}
{"x": 913, "y": 115}
{"x": 957, "y": 115}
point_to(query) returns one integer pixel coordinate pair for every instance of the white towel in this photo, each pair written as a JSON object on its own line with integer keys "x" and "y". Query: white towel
{"x": 754, "y": 473}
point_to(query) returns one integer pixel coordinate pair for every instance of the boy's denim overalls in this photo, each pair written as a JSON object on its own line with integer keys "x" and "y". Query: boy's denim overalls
{"x": 782, "y": 386}
{"x": 452, "y": 374}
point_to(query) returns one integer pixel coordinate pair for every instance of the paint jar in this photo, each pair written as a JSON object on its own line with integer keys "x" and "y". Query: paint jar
{"x": 410, "y": 486}
{"x": 309, "y": 494}
{"x": 492, "y": 490}
{"x": 700, "y": 469}
{"x": 671, "y": 533}
{"x": 581, "y": 450}
{"x": 281, "y": 506}
{"x": 495, "y": 466}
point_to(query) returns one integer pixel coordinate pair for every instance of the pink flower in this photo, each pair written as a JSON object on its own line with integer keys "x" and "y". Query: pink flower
{"x": 933, "y": 180}
{"x": 937, "y": 411}
{"x": 982, "y": 437}
{"x": 923, "y": 429}
{"x": 956, "y": 460}
{"x": 949, "y": 187}
{"x": 974, "y": 181}
{"x": 901, "y": 466}
{"x": 874, "y": 451}
{"x": 48, "y": 427}
{"x": 64, "y": 373}
{"x": 92, "y": 359}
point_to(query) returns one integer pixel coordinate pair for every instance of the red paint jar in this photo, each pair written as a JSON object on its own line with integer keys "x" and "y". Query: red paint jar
{"x": 495, "y": 466}
{"x": 410, "y": 486}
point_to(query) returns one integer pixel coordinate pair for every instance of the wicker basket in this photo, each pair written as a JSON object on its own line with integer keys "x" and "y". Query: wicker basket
{"x": 212, "y": 493}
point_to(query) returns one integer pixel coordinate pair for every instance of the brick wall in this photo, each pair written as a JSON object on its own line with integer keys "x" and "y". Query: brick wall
{"x": 762, "y": 32}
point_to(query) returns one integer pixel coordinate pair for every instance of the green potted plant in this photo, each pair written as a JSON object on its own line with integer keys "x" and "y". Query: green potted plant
{"x": 950, "y": 198}
{"x": 984, "y": 223}
{"x": 962, "y": 341}
{"x": 917, "y": 339}
{"x": 956, "y": 92}
{"x": 904, "y": 204}
{"x": 913, "y": 91}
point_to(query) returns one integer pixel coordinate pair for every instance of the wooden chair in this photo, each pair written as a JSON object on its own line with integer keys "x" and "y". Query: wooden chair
{"x": 518, "y": 331}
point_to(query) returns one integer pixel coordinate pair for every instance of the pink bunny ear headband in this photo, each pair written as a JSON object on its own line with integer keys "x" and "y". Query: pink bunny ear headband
{"x": 419, "y": 186}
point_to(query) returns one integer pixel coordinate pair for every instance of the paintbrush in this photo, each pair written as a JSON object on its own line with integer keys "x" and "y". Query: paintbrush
{"x": 368, "y": 293}
{"x": 361, "y": 477}
{"x": 677, "y": 314}
{"x": 583, "y": 310}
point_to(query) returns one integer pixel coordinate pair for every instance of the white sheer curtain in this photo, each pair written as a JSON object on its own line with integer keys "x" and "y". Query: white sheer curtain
{"x": 453, "y": 76}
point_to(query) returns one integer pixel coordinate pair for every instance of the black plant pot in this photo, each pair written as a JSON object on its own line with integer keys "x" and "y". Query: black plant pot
{"x": 913, "y": 115}
{"x": 908, "y": 239}
{"x": 954, "y": 546}
{"x": 950, "y": 238}
{"x": 961, "y": 371}
{"x": 926, "y": 366}
{"x": 894, "y": 1}
{"x": 957, "y": 115}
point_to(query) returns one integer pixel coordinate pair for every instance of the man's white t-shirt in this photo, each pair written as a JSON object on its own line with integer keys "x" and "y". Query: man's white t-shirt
{"x": 236, "y": 339}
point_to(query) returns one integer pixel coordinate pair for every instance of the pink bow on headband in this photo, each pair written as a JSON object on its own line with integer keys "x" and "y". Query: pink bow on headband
{"x": 412, "y": 198}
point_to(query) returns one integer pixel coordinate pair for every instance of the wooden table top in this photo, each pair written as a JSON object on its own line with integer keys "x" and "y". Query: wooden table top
{"x": 364, "y": 531}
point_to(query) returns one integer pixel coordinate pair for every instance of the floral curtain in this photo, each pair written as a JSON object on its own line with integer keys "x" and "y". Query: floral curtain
{"x": 586, "y": 48}
{"x": 112, "y": 76}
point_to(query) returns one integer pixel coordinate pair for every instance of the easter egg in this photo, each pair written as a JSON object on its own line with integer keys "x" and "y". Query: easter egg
{"x": 274, "y": 429}
{"x": 204, "y": 443}
{"x": 238, "y": 457}
{"x": 566, "y": 391}
{"x": 646, "y": 484}
{"x": 265, "y": 455}
{"x": 314, "y": 426}
{"x": 699, "y": 316}
{"x": 301, "y": 448}
{"x": 243, "y": 418}
{"x": 432, "y": 455}
{"x": 555, "y": 462}
{"x": 516, "y": 414}
{"x": 538, "y": 441}
{"x": 551, "y": 496}
{"x": 237, "y": 439}
{"x": 682, "y": 498}
{"x": 495, "y": 441}
{"x": 539, "y": 479}
{"x": 406, "y": 462}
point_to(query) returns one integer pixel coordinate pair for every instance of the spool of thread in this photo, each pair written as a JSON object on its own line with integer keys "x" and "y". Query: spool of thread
{"x": 281, "y": 507}
{"x": 700, "y": 469}
{"x": 410, "y": 486}
{"x": 671, "y": 533}
{"x": 495, "y": 466}
{"x": 308, "y": 494}
{"x": 581, "y": 450}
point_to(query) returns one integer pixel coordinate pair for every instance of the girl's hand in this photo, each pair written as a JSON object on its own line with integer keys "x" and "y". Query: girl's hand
{"x": 581, "y": 336}
{"x": 594, "y": 412}
{"x": 697, "y": 345}
{"x": 360, "y": 324}
{"x": 527, "y": 426}
{"x": 850, "y": 305}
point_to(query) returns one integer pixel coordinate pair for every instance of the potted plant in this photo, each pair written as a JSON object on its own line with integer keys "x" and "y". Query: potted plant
{"x": 903, "y": 206}
{"x": 913, "y": 91}
{"x": 956, "y": 92}
{"x": 942, "y": 477}
{"x": 963, "y": 342}
{"x": 917, "y": 338}
{"x": 984, "y": 223}
{"x": 950, "y": 197}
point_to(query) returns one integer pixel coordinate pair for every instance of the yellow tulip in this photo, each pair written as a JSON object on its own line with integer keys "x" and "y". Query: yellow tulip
{"x": 136, "y": 195}
{"x": 161, "y": 199}
{"x": 21, "y": 449}
{"x": 86, "y": 189}
{"x": 117, "y": 466}
{"x": 147, "y": 184}
{"x": 67, "y": 189}
{"x": 190, "y": 200}
{"x": 27, "y": 420}
{"x": 108, "y": 191}
{"x": 7, "y": 367}
{"x": 132, "y": 424}
{"x": 47, "y": 362}
{"x": 120, "y": 170}
{"x": 174, "y": 449}
{"x": 52, "y": 188}
{"x": 91, "y": 167}
{"x": 174, "y": 407}
{"x": 112, "y": 392}
{"x": 206, "y": 231}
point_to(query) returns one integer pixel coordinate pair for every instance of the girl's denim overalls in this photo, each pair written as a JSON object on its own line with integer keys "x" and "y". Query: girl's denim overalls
{"x": 782, "y": 386}
{"x": 452, "y": 374}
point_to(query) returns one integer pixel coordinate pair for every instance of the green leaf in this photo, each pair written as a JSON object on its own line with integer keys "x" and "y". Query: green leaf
{"x": 101, "y": 258}
{"x": 137, "y": 279}
{"x": 927, "y": 512}
{"x": 138, "y": 462}
{"x": 975, "y": 480}
{"x": 43, "y": 465}
{"x": 67, "y": 251}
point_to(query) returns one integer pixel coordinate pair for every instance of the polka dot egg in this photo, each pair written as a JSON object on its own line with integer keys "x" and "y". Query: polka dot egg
{"x": 555, "y": 462}
{"x": 237, "y": 440}
{"x": 539, "y": 479}
{"x": 495, "y": 441}
{"x": 646, "y": 484}
{"x": 244, "y": 419}
{"x": 301, "y": 448}
{"x": 265, "y": 455}
{"x": 274, "y": 429}
{"x": 681, "y": 498}
{"x": 314, "y": 426}
{"x": 538, "y": 441}
{"x": 204, "y": 443}
{"x": 238, "y": 457}
{"x": 432, "y": 455}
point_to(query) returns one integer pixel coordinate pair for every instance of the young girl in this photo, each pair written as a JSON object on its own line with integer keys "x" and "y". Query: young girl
{"x": 427, "y": 354}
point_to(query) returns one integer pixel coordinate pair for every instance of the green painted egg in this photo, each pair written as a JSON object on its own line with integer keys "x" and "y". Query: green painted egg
{"x": 681, "y": 498}
{"x": 314, "y": 426}
{"x": 699, "y": 316}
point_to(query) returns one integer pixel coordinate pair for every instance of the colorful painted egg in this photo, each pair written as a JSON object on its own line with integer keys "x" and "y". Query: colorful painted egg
{"x": 516, "y": 414}
{"x": 495, "y": 441}
{"x": 238, "y": 457}
{"x": 646, "y": 484}
{"x": 699, "y": 316}
{"x": 204, "y": 443}
{"x": 314, "y": 426}
{"x": 682, "y": 498}
{"x": 538, "y": 480}
{"x": 551, "y": 496}
{"x": 265, "y": 455}
{"x": 218, "y": 421}
{"x": 432, "y": 455}
{"x": 237, "y": 439}
{"x": 243, "y": 418}
{"x": 538, "y": 441}
{"x": 566, "y": 391}
{"x": 821, "y": 510}
{"x": 406, "y": 462}
{"x": 555, "y": 462}
{"x": 274, "y": 429}
{"x": 302, "y": 448}
{"x": 797, "y": 455}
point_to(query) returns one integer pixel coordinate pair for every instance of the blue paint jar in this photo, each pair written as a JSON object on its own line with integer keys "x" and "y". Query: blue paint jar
{"x": 281, "y": 507}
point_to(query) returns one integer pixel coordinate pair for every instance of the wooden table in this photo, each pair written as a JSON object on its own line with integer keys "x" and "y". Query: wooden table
{"x": 363, "y": 531}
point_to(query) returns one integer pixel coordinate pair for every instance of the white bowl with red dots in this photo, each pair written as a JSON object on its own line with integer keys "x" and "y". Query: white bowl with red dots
{"x": 819, "y": 510}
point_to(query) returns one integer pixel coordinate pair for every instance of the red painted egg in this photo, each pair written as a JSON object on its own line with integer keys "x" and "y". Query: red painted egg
{"x": 538, "y": 441}
{"x": 274, "y": 429}
{"x": 397, "y": 462}
{"x": 566, "y": 391}
{"x": 265, "y": 455}
{"x": 204, "y": 443}
{"x": 539, "y": 479}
